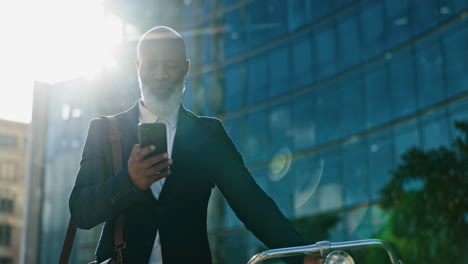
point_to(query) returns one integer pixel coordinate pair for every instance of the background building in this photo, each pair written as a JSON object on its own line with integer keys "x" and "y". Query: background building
{"x": 13, "y": 140}
{"x": 320, "y": 97}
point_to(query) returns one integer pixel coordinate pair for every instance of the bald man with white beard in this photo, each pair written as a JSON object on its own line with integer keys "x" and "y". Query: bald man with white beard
{"x": 165, "y": 210}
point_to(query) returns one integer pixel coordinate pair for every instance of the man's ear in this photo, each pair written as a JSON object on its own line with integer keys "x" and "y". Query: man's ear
{"x": 137, "y": 64}
{"x": 187, "y": 67}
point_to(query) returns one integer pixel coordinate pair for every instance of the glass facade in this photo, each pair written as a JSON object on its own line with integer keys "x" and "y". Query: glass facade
{"x": 341, "y": 89}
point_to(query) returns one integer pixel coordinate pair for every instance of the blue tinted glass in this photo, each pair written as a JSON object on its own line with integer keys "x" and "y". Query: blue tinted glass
{"x": 448, "y": 8}
{"x": 378, "y": 105}
{"x": 278, "y": 62}
{"x": 398, "y": 29}
{"x": 302, "y": 62}
{"x": 234, "y": 247}
{"x": 276, "y": 23}
{"x": 298, "y": 13}
{"x": 255, "y": 16}
{"x": 355, "y": 179}
{"x": 435, "y": 130}
{"x": 342, "y": 3}
{"x": 380, "y": 156}
{"x": 256, "y": 80}
{"x": 304, "y": 122}
{"x": 456, "y": 60}
{"x": 229, "y": 2}
{"x": 352, "y": 106}
{"x": 320, "y": 8}
{"x": 406, "y": 137}
{"x": 282, "y": 192}
{"x": 458, "y": 113}
{"x": 402, "y": 84}
{"x": 348, "y": 40}
{"x": 325, "y": 51}
{"x": 330, "y": 190}
{"x": 430, "y": 80}
{"x": 327, "y": 114}
{"x": 207, "y": 7}
{"x": 424, "y": 15}
{"x": 208, "y": 83}
{"x": 207, "y": 54}
{"x": 234, "y": 36}
{"x": 359, "y": 225}
{"x": 234, "y": 127}
{"x": 308, "y": 173}
{"x": 187, "y": 98}
{"x": 257, "y": 141}
{"x": 233, "y": 87}
{"x": 279, "y": 122}
{"x": 372, "y": 23}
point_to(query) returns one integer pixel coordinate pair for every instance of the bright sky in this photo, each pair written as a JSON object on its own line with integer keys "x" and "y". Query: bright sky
{"x": 50, "y": 41}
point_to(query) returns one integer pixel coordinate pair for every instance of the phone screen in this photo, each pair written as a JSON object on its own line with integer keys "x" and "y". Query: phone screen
{"x": 153, "y": 134}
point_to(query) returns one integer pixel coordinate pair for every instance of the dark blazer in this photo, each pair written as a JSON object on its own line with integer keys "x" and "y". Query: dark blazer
{"x": 204, "y": 156}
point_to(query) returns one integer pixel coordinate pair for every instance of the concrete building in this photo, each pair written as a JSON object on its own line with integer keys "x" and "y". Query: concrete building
{"x": 13, "y": 141}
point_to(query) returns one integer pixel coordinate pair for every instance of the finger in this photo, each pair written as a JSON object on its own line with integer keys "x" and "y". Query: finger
{"x": 141, "y": 154}
{"x": 147, "y": 163}
{"x": 157, "y": 177}
{"x": 135, "y": 148}
{"x": 159, "y": 167}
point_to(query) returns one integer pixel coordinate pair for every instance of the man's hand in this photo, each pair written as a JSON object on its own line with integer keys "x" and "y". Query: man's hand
{"x": 312, "y": 259}
{"x": 144, "y": 172}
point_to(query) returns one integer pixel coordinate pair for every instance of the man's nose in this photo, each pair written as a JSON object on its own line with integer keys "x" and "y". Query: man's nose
{"x": 160, "y": 73}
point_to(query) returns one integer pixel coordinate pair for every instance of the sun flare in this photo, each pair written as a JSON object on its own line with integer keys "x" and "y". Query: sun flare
{"x": 51, "y": 41}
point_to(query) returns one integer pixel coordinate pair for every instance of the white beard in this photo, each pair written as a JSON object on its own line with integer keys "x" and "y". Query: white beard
{"x": 162, "y": 106}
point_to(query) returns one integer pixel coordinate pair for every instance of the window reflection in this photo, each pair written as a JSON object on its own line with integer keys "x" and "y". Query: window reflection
{"x": 234, "y": 88}
{"x": 380, "y": 156}
{"x": 304, "y": 122}
{"x": 378, "y": 105}
{"x": 327, "y": 114}
{"x": 456, "y": 60}
{"x": 278, "y": 62}
{"x": 402, "y": 83}
{"x": 355, "y": 174}
{"x": 429, "y": 68}
{"x": 352, "y": 110}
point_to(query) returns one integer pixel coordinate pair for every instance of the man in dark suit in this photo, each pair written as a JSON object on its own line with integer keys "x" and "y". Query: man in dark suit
{"x": 165, "y": 210}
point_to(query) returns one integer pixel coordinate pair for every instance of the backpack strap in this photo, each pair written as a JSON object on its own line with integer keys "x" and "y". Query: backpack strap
{"x": 115, "y": 138}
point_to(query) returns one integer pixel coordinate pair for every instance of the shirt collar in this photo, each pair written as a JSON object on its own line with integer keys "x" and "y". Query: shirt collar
{"x": 146, "y": 116}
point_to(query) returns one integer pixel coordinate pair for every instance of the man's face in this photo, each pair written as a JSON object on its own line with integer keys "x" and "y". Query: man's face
{"x": 162, "y": 68}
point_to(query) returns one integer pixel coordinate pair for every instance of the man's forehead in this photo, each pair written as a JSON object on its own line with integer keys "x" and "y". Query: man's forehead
{"x": 162, "y": 51}
{"x": 162, "y": 47}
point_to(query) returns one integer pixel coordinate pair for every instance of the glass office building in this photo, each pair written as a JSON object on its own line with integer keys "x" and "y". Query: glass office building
{"x": 323, "y": 97}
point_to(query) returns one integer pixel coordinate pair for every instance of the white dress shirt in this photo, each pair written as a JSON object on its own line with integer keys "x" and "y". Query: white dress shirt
{"x": 170, "y": 121}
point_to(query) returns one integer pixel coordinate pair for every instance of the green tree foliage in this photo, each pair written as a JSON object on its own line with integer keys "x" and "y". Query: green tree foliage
{"x": 427, "y": 201}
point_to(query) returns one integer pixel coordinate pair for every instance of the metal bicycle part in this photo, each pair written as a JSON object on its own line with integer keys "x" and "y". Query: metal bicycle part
{"x": 339, "y": 257}
{"x": 323, "y": 248}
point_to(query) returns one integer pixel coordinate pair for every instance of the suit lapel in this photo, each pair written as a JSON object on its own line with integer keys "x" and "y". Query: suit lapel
{"x": 185, "y": 141}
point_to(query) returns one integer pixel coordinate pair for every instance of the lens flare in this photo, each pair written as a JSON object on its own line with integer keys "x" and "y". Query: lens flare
{"x": 280, "y": 164}
{"x": 306, "y": 190}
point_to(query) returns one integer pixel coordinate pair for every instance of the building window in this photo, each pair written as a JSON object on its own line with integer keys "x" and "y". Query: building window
{"x": 8, "y": 171}
{"x": 6, "y": 205}
{"x": 5, "y": 261}
{"x": 5, "y": 235}
{"x": 9, "y": 141}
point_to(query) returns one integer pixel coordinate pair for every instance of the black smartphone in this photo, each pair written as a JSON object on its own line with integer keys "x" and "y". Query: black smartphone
{"x": 153, "y": 134}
